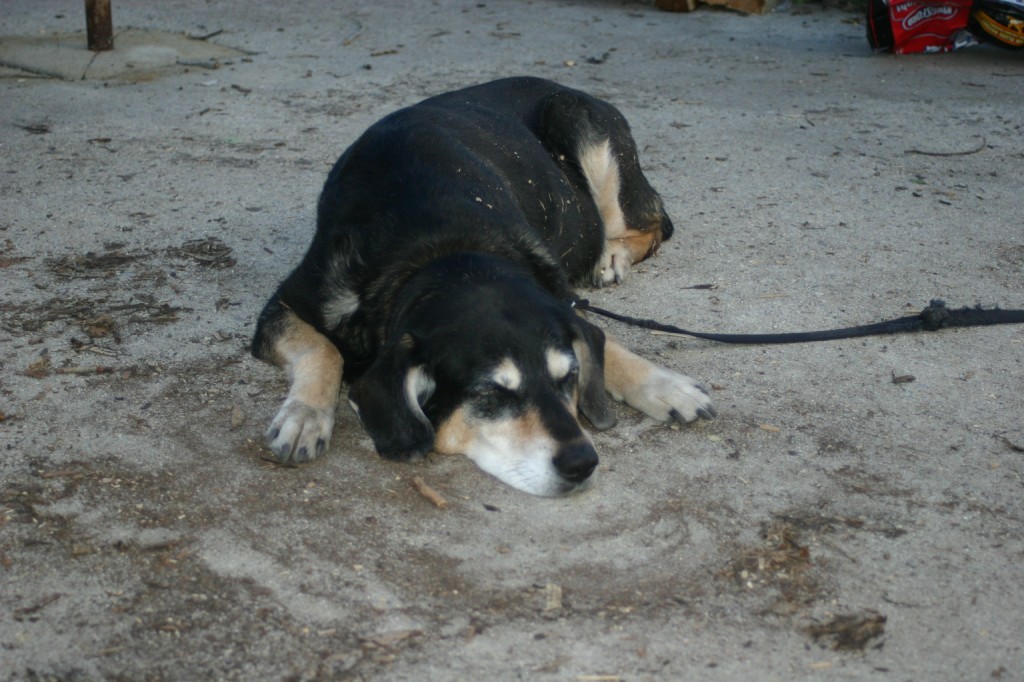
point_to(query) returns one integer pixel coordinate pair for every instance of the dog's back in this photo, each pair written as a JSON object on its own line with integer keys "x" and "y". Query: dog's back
{"x": 460, "y": 165}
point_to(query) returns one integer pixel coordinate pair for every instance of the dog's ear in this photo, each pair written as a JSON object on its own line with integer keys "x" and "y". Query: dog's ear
{"x": 589, "y": 348}
{"x": 388, "y": 399}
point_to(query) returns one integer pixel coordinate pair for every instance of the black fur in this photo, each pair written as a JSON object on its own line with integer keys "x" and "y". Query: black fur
{"x": 449, "y": 234}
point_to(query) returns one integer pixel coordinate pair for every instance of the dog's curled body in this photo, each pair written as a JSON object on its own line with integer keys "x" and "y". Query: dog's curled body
{"x": 449, "y": 236}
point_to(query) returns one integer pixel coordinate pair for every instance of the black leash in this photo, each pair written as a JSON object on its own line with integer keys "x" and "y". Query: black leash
{"x": 936, "y": 316}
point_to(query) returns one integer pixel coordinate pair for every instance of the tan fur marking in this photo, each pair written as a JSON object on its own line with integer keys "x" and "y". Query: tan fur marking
{"x": 625, "y": 245}
{"x": 457, "y": 433}
{"x": 624, "y": 371}
{"x": 602, "y": 173}
{"x": 453, "y": 435}
{"x": 559, "y": 363}
{"x": 528, "y": 426}
{"x": 313, "y": 363}
{"x": 641, "y": 244}
{"x": 507, "y": 374}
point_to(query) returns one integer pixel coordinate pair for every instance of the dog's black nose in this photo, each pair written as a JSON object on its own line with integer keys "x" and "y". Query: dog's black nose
{"x": 576, "y": 461}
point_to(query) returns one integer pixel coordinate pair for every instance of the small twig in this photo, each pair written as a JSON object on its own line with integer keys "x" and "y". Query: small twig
{"x": 84, "y": 370}
{"x": 552, "y": 597}
{"x": 35, "y": 128}
{"x": 429, "y": 493}
{"x": 99, "y": 350}
{"x": 210, "y": 64}
{"x": 207, "y": 36}
{"x": 925, "y": 152}
{"x": 284, "y": 464}
{"x": 38, "y": 606}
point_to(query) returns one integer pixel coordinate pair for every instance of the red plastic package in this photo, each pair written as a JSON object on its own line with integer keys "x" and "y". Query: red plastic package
{"x": 908, "y": 26}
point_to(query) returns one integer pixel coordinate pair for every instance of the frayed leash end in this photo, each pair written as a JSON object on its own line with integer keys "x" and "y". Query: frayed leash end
{"x": 935, "y": 316}
{"x": 938, "y": 316}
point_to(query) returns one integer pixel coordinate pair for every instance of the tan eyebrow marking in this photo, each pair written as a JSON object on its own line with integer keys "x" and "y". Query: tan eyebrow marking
{"x": 560, "y": 363}
{"x": 507, "y": 375}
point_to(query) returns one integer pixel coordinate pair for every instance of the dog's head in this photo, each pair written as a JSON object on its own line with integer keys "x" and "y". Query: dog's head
{"x": 482, "y": 361}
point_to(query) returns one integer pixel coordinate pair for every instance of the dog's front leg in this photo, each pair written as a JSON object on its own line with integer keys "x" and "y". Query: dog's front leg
{"x": 655, "y": 391}
{"x": 302, "y": 428}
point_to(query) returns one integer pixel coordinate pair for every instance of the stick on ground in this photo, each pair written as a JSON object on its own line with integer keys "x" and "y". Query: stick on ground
{"x": 429, "y": 493}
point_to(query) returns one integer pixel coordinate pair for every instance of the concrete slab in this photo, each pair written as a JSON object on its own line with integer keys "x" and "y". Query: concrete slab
{"x": 832, "y": 523}
{"x": 139, "y": 55}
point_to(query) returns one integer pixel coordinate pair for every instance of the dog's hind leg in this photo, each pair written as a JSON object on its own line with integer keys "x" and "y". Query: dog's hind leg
{"x": 632, "y": 213}
{"x": 302, "y": 428}
{"x": 635, "y": 223}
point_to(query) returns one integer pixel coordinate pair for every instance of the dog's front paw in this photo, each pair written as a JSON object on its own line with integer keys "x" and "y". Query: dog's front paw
{"x": 299, "y": 432}
{"x": 615, "y": 264}
{"x": 668, "y": 396}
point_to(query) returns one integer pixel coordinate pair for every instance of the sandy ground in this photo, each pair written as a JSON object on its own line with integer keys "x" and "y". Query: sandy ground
{"x": 837, "y": 521}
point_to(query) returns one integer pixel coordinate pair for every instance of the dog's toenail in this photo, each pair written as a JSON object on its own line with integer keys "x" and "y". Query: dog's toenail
{"x": 706, "y": 412}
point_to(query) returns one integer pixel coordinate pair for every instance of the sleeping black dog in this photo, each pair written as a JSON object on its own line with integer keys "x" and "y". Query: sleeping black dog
{"x": 439, "y": 284}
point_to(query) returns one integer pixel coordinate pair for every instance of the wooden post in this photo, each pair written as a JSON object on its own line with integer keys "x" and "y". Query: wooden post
{"x": 99, "y": 27}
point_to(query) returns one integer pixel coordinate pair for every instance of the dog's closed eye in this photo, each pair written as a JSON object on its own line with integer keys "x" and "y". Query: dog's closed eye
{"x": 491, "y": 399}
{"x": 568, "y": 382}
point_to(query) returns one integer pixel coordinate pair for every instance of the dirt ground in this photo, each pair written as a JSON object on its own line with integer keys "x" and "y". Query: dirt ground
{"x": 854, "y": 512}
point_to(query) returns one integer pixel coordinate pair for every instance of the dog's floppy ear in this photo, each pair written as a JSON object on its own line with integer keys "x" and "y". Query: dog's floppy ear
{"x": 388, "y": 399}
{"x": 589, "y": 348}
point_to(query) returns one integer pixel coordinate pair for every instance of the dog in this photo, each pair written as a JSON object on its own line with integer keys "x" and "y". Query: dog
{"x": 439, "y": 284}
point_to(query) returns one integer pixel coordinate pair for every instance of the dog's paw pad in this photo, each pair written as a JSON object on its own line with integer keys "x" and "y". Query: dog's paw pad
{"x": 670, "y": 397}
{"x": 299, "y": 432}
